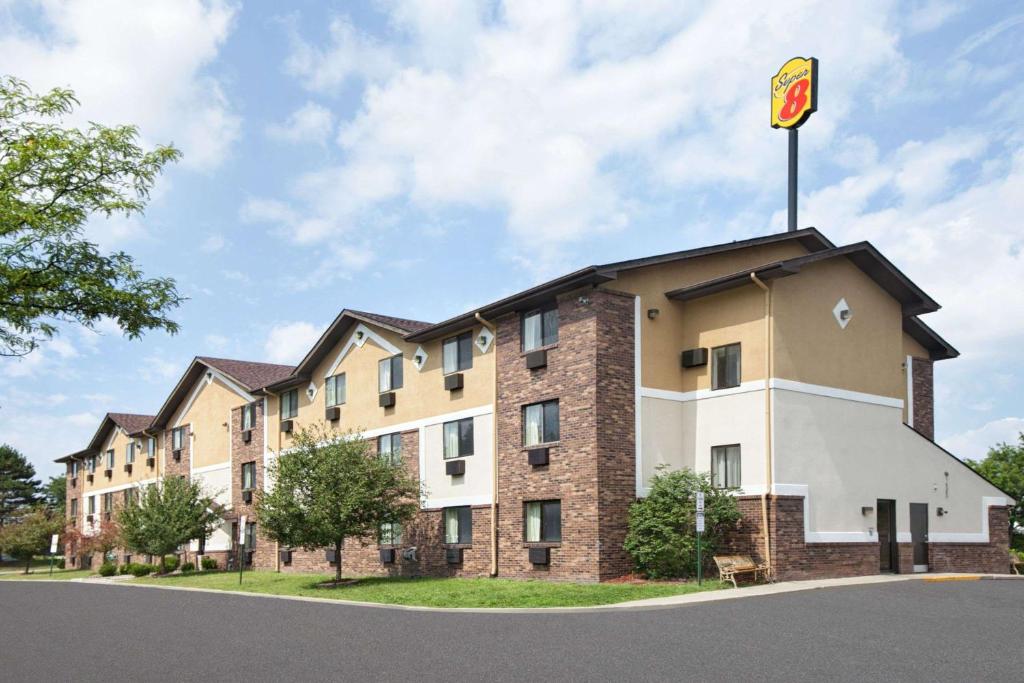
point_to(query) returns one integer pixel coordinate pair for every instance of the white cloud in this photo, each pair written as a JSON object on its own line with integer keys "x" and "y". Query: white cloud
{"x": 309, "y": 123}
{"x": 213, "y": 243}
{"x": 930, "y": 15}
{"x": 156, "y": 367}
{"x": 349, "y": 54}
{"x": 216, "y": 342}
{"x": 974, "y": 443}
{"x": 289, "y": 342}
{"x": 142, "y": 63}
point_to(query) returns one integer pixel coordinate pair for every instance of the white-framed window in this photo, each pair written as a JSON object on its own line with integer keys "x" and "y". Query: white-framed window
{"x": 289, "y": 404}
{"x": 129, "y": 453}
{"x": 458, "y": 525}
{"x": 151, "y": 447}
{"x": 129, "y": 496}
{"x": 110, "y": 459}
{"x": 92, "y": 505}
{"x": 177, "y": 438}
{"x": 542, "y": 521}
{"x": 458, "y": 438}
{"x": 540, "y": 423}
{"x": 248, "y": 476}
{"x": 248, "y": 416}
{"x": 457, "y": 353}
{"x": 726, "y": 472}
{"x": 335, "y": 387}
{"x": 90, "y": 464}
{"x": 74, "y": 508}
{"x": 540, "y": 327}
{"x": 390, "y": 533}
{"x": 389, "y": 374}
{"x": 725, "y": 366}
{"x": 389, "y": 448}
{"x": 74, "y": 468}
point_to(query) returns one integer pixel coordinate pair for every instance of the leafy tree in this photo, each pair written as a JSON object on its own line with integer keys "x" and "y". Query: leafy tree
{"x": 1004, "y": 467}
{"x": 167, "y": 515}
{"x": 29, "y": 535}
{"x": 52, "y": 180}
{"x": 17, "y": 486}
{"x": 662, "y": 536}
{"x": 104, "y": 539}
{"x": 329, "y": 488}
{"x": 55, "y": 494}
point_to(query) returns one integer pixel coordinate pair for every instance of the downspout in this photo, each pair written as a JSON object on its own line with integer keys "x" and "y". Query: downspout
{"x": 266, "y": 425}
{"x": 494, "y": 448}
{"x": 767, "y": 418}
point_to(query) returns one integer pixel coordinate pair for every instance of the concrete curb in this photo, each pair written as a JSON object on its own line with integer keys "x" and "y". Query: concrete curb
{"x": 634, "y": 605}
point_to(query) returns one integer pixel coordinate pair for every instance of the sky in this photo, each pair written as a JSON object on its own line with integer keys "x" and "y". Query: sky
{"x": 419, "y": 158}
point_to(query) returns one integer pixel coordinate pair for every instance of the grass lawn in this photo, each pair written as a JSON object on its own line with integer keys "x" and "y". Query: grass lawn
{"x": 431, "y": 592}
{"x": 41, "y": 573}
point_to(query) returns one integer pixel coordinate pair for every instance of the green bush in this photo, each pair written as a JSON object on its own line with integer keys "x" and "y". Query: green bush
{"x": 188, "y": 568}
{"x": 209, "y": 563}
{"x": 108, "y": 569}
{"x": 171, "y": 563}
{"x": 60, "y": 564}
{"x": 126, "y": 568}
{"x": 662, "y": 536}
{"x": 143, "y": 569}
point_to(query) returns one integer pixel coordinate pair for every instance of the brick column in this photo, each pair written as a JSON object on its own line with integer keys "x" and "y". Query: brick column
{"x": 924, "y": 397}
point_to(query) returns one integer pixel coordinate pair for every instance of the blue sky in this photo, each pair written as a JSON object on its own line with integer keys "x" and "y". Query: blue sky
{"x": 419, "y": 158}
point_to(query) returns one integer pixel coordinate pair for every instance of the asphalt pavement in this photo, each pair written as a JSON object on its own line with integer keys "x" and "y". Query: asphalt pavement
{"x": 906, "y": 631}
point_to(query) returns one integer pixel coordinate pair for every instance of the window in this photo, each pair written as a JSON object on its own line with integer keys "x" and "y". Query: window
{"x": 151, "y": 447}
{"x": 110, "y": 459}
{"x": 725, "y": 366}
{"x": 250, "y": 535}
{"x": 335, "y": 390}
{"x": 540, "y": 423}
{"x": 248, "y": 416}
{"x": 390, "y": 533}
{"x": 540, "y": 327}
{"x": 543, "y": 521}
{"x": 289, "y": 404}
{"x": 458, "y": 438}
{"x": 127, "y": 558}
{"x": 177, "y": 438}
{"x": 389, "y": 374}
{"x": 457, "y": 353}
{"x": 248, "y": 476}
{"x": 129, "y": 496}
{"x": 74, "y": 508}
{"x": 90, "y": 464}
{"x": 108, "y": 504}
{"x": 389, "y": 448}
{"x": 129, "y": 453}
{"x": 92, "y": 505}
{"x": 201, "y": 550}
{"x": 458, "y": 525}
{"x": 74, "y": 468}
{"x": 725, "y": 467}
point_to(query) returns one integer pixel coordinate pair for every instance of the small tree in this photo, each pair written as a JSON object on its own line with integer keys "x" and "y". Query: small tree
{"x": 662, "y": 536}
{"x": 104, "y": 540}
{"x": 29, "y": 535}
{"x": 55, "y": 493}
{"x": 329, "y": 488}
{"x": 167, "y": 515}
{"x": 18, "y": 488}
{"x": 1004, "y": 467}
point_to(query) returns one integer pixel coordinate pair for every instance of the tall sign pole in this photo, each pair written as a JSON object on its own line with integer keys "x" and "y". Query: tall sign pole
{"x": 241, "y": 547}
{"x": 794, "y": 99}
{"x": 700, "y": 532}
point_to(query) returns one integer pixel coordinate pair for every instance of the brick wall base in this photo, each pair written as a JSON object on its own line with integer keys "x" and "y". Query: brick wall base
{"x": 987, "y": 558}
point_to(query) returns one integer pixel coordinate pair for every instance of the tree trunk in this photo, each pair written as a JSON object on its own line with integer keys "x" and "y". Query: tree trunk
{"x": 337, "y": 562}
{"x": 28, "y": 564}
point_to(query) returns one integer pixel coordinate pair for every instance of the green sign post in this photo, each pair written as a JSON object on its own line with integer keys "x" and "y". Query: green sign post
{"x": 241, "y": 548}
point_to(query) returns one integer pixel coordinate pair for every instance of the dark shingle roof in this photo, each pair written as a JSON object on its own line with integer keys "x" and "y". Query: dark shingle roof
{"x": 251, "y": 374}
{"x": 403, "y": 324}
{"x": 131, "y": 422}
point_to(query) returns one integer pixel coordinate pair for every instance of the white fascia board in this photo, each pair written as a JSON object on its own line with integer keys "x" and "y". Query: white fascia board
{"x": 353, "y": 341}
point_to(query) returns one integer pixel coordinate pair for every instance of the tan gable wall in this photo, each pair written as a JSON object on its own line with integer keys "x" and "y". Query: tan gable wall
{"x": 811, "y": 347}
{"x": 117, "y": 440}
{"x": 911, "y": 347}
{"x": 422, "y": 394}
{"x": 662, "y": 338}
{"x": 209, "y": 417}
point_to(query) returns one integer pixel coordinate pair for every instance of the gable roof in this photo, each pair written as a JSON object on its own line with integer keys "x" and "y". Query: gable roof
{"x": 809, "y": 238}
{"x": 862, "y": 254}
{"x": 938, "y": 348}
{"x": 131, "y": 423}
{"x": 403, "y": 325}
{"x": 249, "y": 375}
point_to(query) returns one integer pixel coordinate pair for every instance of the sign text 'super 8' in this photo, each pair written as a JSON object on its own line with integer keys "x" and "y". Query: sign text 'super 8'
{"x": 794, "y": 92}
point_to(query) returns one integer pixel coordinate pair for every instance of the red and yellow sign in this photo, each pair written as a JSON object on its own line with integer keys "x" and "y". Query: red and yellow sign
{"x": 794, "y": 92}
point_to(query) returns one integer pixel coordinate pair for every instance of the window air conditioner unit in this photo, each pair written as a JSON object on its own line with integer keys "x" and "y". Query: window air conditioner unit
{"x": 537, "y": 456}
{"x": 453, "y": 382}
{"x": 247, "y": 496}
{"x": 177, "y": 455}
{"x": 287, "y": 425}
{"x": 540, "y": 556}
{"x": 387, "y": 555}
{"x": 387, "y": 400}
{"x": 332, "y": 414}
{"x": 455, "y": 468}
{"x": 536, "y": 359}
{"x": 453, "y": 555}
{"x": 246, "y": 436}
{"x": 692, "y": 358}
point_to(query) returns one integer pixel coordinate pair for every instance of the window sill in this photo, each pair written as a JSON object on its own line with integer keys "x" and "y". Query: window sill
{"x": 547, "y": 444}
{"x": 457, "y": 457}
{"x": 549, "y": 347}
{"x": 542, "y": 544}
{"x": 731, "y": 386}
{"x": 458, "y": 546}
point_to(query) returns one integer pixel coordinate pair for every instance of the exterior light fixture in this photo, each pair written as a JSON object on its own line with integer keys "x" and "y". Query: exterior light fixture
{"x": 653, "y": 313}
{"x": 866, "y": 510}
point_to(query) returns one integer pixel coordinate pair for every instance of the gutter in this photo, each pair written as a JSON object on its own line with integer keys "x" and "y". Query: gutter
{"x": 494, "y": 448}
{"x": 767, "y": 418}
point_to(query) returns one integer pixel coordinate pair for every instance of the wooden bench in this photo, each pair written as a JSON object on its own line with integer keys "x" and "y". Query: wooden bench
{"x": 731, "y": 565}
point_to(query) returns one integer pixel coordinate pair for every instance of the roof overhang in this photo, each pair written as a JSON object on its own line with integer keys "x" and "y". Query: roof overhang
{"x": 80, "y": 455}
{"x": 938, "y": 348}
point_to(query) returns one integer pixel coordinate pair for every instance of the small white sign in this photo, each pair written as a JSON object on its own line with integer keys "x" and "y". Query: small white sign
{"x": 700, "y": 501}
{"x": 53, "y": 544}
{"x": 700, "y": 522}
{"x": 241, "y": 531}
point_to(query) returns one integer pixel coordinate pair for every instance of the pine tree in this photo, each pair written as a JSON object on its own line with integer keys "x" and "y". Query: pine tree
{"x": 18, "y": 489}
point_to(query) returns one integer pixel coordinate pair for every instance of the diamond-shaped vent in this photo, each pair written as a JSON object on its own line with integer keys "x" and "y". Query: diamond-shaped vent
{"x": 842, "y": 313}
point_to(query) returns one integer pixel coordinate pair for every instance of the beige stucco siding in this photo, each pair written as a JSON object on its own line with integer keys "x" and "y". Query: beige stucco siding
{"x": 209, "y": 415}
{"x": 118, "y": 440}
{"x": 911, "y": 347}
{"x": 662, "y": 339}
{"x": 850, "y": 454}
{"x": 473, "y": 488}
{"x": 811, "y": 347}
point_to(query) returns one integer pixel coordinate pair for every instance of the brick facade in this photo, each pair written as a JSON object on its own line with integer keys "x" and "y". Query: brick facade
{"x": 178, "y": 467}
{"x": 990, "y": 558}
{"x": 924, "y": 397}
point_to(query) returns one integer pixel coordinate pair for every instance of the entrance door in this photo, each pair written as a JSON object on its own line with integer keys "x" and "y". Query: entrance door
{"x": 886, "y": 518}
{"x": 919, "y": 535}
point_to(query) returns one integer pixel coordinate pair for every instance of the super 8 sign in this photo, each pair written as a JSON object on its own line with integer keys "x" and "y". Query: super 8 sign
{"x": 794, "y": 92}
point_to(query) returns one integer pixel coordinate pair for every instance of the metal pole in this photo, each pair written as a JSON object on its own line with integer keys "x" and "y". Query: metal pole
{"x": 700, "y": 568}
{"x": 793, "y": 132}
{"x": 241, "y": 560}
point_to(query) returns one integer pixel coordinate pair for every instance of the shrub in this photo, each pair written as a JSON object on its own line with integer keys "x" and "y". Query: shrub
{"x": 209, "y": 563}
{"x": 171, "y": 563}
{"x": 108, "y": 569}
{"x": 60, "y": 564}
{"x": 126, "y": 568}
{"x": 188, "y": 568}
{"x": 662, "y": 536}
{"x": 143, "y": 569}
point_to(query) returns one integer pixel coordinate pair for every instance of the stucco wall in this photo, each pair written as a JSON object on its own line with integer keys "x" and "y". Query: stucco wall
{"x": 209, "y": 415}
{"x": 472, "y": 488}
